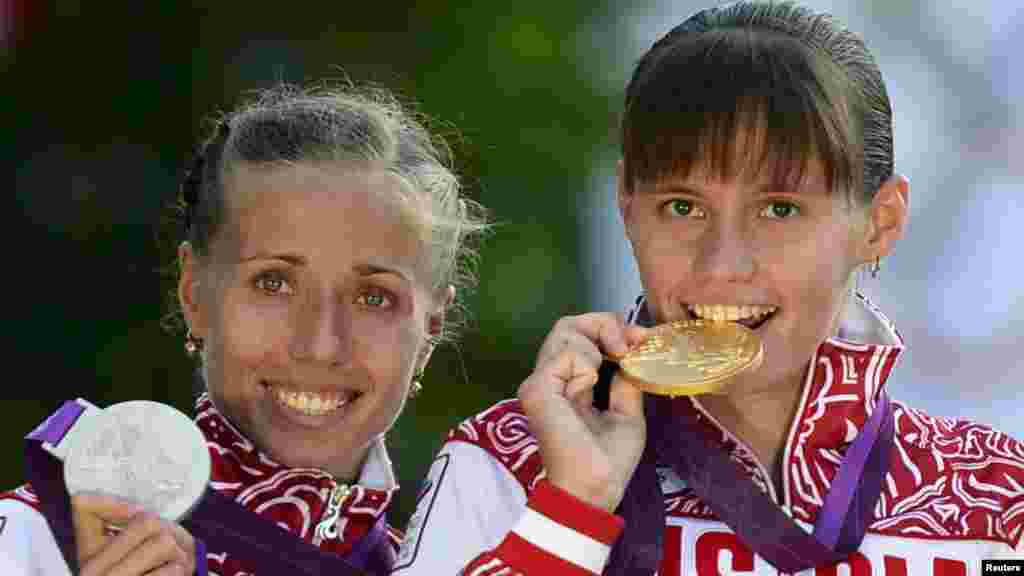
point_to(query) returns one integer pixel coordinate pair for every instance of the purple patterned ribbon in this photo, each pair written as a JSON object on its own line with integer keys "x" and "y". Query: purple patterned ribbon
{"x": 373, "y": 552}
{"x": 216, "y": 522}
{"x": 46, "y": 475}
{"x": 228, "y": 527}
{"x": 675, "y": 439}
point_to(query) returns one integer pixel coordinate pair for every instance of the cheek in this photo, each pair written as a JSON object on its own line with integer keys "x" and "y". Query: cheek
{"x": 388, "y": 349}
{"x": 836, "y": 259}
{"x": 816, "y": 256}
{"x": 253, "y": 336}
{"x": 389, "y": 360}
{"x": 663, "y": 259}
{"x": 813, "y": 278}
{"x": 661, "y": 277}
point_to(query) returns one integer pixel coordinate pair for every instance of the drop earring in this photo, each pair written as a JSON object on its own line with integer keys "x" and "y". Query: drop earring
{"x": 417, "y": 387}
{"x": 192, "y": 344}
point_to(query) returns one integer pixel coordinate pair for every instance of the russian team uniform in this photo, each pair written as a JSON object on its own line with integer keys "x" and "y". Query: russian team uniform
{"x": 297, "y": 500}
{"x": 953, "y": 496}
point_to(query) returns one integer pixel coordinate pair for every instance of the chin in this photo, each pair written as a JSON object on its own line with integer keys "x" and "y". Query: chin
{"x": 333, "y": 461}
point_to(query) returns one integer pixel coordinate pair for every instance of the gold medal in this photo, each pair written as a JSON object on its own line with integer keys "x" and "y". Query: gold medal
{"x": 691, "y": 357}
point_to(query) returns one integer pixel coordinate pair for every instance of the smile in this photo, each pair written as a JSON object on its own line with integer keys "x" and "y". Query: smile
{"x": 310, "y": 403}
{"x": 751, "y": 316}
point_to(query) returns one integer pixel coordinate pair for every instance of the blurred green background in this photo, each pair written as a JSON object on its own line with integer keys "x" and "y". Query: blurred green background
{"x": 107, "y": 99}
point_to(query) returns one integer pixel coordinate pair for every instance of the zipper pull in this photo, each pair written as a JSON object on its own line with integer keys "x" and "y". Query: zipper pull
{"x": 327, "y": 528}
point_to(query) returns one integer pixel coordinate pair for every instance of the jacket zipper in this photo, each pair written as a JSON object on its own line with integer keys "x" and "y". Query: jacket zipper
{"x": 327, "y": 528}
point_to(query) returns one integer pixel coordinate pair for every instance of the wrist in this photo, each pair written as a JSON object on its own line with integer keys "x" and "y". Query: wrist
{"x": 596, "y": 495}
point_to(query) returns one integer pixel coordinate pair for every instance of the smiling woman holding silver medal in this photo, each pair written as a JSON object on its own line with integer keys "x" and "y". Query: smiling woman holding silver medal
{"x": 757, "y": 182}
{"x": 325, "y": 239}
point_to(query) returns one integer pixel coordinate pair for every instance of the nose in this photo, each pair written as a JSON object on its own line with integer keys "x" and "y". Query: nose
{"x": 725, "y": 254}
{"x": 322, "y": 331}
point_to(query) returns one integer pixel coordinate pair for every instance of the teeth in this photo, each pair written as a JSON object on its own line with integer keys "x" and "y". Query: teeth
{"x": 309, "y": 403}
{"x": 723, "y": 312}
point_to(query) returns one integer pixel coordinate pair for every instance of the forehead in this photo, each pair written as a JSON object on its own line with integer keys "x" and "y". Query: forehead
{"x": 735, "y": 100}
{"x": 334, "y": 216}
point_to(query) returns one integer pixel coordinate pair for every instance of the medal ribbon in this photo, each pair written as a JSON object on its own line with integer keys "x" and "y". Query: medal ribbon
{"x": 217, "y": 520}
{"x": 228, "y": 527}
{"x": 675, "y": 439}
{"x": 46, "y": 474}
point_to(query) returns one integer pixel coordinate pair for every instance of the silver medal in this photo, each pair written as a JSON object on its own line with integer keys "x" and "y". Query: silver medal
{"x": 144, "y": 452}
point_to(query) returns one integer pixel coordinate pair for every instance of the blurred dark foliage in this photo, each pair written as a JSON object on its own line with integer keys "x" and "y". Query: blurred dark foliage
{"x": 107, "y": 99}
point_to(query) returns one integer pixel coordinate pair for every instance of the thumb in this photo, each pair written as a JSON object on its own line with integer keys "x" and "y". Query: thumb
{"x": 110, "y": 509}
{"x": 636, "y": 335}
{"x": 624, "y": 398}
{"x": 91, "y": 513}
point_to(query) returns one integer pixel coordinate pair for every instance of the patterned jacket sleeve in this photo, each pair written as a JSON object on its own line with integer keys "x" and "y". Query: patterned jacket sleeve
{"x": 474, "y": 517}
{"x": 1014, "y": 520}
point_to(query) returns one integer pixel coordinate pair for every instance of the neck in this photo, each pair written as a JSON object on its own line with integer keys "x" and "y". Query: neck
{"x": 347, "y": 474}
{"x": 343, "y": 472}
{"x": 759, "y": 416}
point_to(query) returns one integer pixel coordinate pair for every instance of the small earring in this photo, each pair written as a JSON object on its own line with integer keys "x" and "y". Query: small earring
{"x": 192, "y": 344}
{"x": 876, "y": 267}
{"x": 416, "y": 386}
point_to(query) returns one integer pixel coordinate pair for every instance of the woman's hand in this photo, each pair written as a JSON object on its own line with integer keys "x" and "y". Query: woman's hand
{"x": 586, "y": 452}
{"x": 144, "y": 544}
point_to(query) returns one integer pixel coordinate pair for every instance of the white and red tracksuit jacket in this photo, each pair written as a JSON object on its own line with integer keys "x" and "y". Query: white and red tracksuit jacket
{"x": 294, "y": 499}
{"x": 954, "y": 494}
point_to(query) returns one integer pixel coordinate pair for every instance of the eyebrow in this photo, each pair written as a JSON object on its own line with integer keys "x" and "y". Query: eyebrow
{"x": 368, "y": 269}
{"x": 667, "y": 188}
{"x": 293, "y": 259}
{"x": 364, "y": 269}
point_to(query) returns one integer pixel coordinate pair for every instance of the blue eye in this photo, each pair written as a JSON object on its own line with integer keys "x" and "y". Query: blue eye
{"x": 780, "y": 210}
{"x": 273, "y": 283}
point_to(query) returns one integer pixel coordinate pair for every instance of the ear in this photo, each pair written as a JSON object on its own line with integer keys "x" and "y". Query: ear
{"x": 624, "y": 196}
{"x": 889, "y": 213}
{"x": 435, "y": 321}
{"x": 188, "y": 290}
{"x": 435, "y": 325}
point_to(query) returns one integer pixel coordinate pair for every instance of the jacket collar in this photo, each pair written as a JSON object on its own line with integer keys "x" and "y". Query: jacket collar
{"x": 845, "y": 377}
{"x": 377, "y": 472}
{"x": 254, "y": 479}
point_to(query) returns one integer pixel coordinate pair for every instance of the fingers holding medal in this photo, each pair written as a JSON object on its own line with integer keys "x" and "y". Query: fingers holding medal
{"x": 592, "y": 453}
{"x": 142, "y": 543}
{"x": 589, "y": 453}
{"x": 595, "y": 336}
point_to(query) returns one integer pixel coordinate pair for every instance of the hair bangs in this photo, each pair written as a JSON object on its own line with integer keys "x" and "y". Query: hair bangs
{"x": 740, "y": 104}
